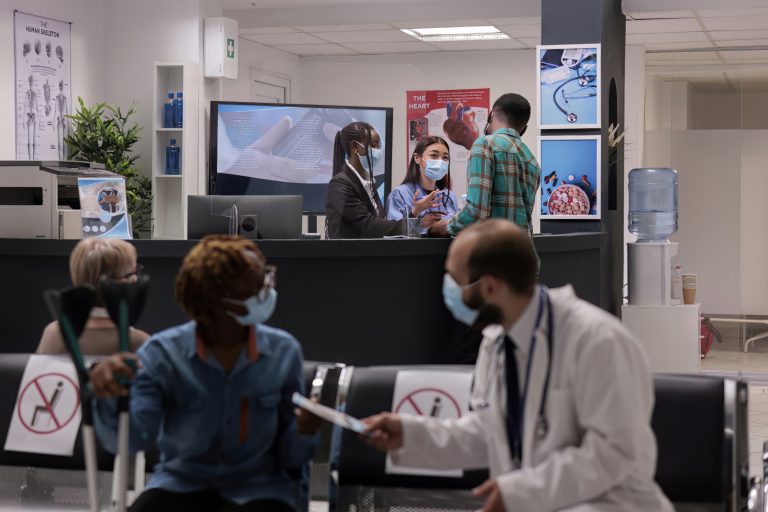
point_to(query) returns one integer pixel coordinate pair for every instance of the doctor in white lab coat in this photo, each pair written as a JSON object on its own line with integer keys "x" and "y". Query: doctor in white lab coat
{"x": 585, "y": 442}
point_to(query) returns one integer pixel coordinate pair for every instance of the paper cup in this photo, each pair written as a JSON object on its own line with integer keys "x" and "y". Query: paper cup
{"x": 689, "y": 288}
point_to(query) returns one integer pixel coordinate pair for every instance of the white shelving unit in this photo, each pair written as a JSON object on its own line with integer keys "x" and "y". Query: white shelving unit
{"x": 169, "y": 208}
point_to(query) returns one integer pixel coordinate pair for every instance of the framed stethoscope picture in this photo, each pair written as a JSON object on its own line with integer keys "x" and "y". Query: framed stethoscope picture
{"x": 568, "y": 86}
{"x": 570, "y": 177}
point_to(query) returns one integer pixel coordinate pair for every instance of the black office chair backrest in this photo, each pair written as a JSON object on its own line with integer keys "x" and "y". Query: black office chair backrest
{"x": 696, "y": 437}
{"x": 370, "y": 391}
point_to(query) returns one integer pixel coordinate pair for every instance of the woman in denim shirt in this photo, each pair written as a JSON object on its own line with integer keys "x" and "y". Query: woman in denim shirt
{"x": 214, "y": 394}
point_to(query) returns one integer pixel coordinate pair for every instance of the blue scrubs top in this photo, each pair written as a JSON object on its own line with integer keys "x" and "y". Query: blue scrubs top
{"x": 401, "y": 199}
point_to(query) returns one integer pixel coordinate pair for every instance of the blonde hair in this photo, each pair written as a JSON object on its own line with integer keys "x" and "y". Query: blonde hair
{"x": 211, "y": 269}
{"x": 94, "y": 258}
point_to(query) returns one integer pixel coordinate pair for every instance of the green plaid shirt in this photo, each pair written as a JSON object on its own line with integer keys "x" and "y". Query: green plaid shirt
{"x": 502, "y": 179}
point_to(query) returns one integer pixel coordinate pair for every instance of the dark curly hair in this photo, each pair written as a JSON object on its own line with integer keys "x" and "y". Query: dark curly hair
{"x": 211, "y": 269}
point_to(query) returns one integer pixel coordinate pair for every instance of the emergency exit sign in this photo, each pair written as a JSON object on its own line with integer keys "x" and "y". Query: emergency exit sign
{"x": 230, "y": 48}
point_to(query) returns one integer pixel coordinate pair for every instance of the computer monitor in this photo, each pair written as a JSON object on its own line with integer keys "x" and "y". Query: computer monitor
{"x": 257, "y": 217}
{"x": 279, "y": 149}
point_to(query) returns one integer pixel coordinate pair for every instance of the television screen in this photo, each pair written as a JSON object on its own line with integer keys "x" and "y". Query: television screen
{"x": 278, "y": 149}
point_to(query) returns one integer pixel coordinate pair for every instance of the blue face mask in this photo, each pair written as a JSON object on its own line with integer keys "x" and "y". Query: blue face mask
{"x": 436, "y": 169}
{"x": 455, "y": 303}
{"x": 373, "y": 153}
{"x": 257, "y": 311}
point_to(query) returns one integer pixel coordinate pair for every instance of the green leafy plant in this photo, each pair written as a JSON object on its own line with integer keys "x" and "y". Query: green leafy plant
{"x": 105, "y": 134}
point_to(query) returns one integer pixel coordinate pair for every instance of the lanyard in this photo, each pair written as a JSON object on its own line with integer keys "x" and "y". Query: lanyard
{"x": 518, "y": 426}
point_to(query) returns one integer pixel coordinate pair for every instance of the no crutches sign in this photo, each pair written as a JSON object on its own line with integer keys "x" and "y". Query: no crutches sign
{"x": 46, "y": 416}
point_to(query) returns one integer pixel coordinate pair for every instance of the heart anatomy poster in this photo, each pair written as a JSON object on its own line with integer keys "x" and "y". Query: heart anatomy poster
{"x": 42, "y": 87}
{"x": 458, "y": 116}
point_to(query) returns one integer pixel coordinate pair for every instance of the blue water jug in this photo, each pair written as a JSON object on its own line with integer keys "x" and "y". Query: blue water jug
{"x": 652, "y": 203}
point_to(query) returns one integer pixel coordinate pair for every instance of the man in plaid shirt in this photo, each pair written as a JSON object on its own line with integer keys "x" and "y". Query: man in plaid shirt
{"x": 502, "y": 173}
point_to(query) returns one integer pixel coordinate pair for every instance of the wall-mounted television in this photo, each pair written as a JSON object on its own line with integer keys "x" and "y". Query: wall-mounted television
{"x": 280, "y": 149}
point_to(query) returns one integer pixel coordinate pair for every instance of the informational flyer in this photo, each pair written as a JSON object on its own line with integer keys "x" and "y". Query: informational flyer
{"x": 570, "y": 177}
{"x": 458, "y": 116}
{"x": 42, "y": 87}
{"x": 103, "y": 207}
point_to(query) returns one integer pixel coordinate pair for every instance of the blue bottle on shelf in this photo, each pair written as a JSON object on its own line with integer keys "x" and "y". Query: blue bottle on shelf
{"x": 178, "y": 111}
{"x": 172, "y": 158}
{"x": 168, "y": 112}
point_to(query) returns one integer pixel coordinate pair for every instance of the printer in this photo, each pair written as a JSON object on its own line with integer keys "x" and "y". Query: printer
{"x": 41, "y": 199}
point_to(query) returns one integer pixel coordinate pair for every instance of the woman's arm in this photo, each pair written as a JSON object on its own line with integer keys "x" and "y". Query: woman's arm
{"x": 347, "y": 204}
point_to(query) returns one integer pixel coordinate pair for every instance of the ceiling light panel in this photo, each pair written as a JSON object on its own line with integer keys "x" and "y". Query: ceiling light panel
{"x": 447, "y": 34}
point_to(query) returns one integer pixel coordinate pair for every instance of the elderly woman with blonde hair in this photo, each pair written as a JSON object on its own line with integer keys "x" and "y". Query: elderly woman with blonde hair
{"x": 91, "y": 260}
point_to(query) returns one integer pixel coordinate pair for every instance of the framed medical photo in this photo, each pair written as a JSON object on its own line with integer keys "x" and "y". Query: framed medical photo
{"x": 568, "y": 92}
{"x": 570, "y": 177}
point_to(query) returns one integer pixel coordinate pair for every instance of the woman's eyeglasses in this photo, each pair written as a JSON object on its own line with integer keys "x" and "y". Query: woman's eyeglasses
{"x": 139, "y": 271}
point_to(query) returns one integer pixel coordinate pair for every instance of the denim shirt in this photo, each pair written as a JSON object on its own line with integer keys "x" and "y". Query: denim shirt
{"x": 235, "y": 432}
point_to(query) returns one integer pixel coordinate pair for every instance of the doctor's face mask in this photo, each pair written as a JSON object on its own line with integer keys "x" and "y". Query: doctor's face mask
{"x": 454, "y": 301}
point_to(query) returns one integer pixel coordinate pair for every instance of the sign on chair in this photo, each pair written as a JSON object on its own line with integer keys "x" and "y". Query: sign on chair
{"x": 46, "y": 417}
{"x": 438, "y": 394}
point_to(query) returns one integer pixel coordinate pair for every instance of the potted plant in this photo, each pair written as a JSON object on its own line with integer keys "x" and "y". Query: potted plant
{"x": 104, "y": 134}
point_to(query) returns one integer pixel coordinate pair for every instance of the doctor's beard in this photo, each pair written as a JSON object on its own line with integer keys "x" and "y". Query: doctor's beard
{"x": 488, "y": 314}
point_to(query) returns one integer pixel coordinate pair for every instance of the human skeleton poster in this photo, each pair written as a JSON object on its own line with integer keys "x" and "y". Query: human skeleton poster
{"x": 43, "y": 92}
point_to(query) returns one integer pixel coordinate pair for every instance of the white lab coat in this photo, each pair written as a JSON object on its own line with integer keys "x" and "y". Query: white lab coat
{"x": 599, "y": 453}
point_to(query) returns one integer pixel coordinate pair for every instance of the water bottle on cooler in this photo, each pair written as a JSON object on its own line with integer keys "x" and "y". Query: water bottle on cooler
{"x": 178, "y": 111}
{"x": 168, "y": 112}
{"x": 653, "y": 203}
{"x": 172, "y": 158}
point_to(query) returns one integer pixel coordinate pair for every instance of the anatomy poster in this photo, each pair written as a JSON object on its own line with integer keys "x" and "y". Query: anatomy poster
{"x": 458, "y": 116}
{"x": 569, "y": 86}
{"x": 42, "y": 87}
{"x": 103, "y": 207}
{"x": 570, "y": 177}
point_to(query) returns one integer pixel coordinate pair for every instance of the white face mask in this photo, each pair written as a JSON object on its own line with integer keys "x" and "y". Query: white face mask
{"x": 435, "y": 169}
{"x": 452, "y": 296}
{"x": 257, "y": 311}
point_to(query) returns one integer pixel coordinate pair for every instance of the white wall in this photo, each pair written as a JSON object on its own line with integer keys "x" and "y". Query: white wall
{"x": 268, "y": 60}
{"x": 136, "y": 35}
{"x": 711, "y": 234}
{"x": 712, "y": 111}
{"x": 754, "y": 235}
{"x": 383, "y": 81}
{"x": 87, "y": 55}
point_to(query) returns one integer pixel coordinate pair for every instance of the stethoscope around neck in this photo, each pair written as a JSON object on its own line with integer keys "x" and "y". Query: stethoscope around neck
{"x": 542, "y": 423}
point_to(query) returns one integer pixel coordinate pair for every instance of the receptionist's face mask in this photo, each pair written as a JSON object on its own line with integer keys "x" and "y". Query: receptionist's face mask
{"x": 373, "y": 153}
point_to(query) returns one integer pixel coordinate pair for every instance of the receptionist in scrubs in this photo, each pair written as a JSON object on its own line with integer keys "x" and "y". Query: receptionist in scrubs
{"x": 353, "y": 207}
{"x": 428, "y": 176}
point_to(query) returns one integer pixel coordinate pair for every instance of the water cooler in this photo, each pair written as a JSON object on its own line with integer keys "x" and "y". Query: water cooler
{"x": 652, "y": 260}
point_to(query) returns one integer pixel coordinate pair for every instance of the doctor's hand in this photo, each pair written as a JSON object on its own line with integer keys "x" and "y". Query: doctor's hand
{"x": 490, "y": 491}
{"x": 106, "y": 375}
{"x": 386, "y": 431}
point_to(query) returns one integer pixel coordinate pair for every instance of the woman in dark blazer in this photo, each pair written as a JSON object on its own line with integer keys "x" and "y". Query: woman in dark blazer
{"x": 353, "y": 208}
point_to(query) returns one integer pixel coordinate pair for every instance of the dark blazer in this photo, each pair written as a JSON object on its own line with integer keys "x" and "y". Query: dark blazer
{"x": 350, "y": 214}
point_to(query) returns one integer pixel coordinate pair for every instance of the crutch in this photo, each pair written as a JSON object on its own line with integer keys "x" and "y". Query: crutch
{"x": 72, "y": 308}
{"x": 124, "y": 303}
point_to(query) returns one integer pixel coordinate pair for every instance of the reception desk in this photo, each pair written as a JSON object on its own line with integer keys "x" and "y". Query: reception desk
{"x": 355, "y": 301}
